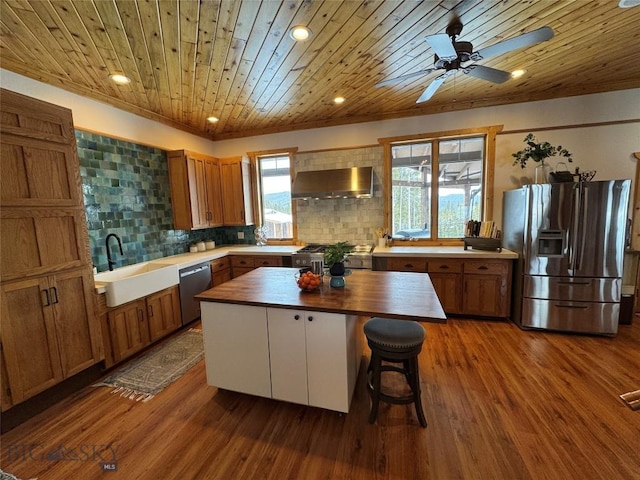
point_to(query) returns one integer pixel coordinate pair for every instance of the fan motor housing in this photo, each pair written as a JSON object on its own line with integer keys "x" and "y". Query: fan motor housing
{"x": 464, "y": 51}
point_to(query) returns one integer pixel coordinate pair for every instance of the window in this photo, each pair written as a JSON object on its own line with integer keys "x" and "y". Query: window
{"x": 276, "y": 209}
{"x": 437, "y": 183}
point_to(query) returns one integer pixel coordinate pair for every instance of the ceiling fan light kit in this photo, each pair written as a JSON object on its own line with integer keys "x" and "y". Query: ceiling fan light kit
{"x": 453, "y": 56}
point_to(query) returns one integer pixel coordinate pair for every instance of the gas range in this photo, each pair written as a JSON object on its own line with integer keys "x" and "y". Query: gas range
{"x": 360, "y": 257}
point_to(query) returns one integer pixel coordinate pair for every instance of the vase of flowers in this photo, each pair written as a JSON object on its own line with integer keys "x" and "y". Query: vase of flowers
{"x": 539, "y": 152}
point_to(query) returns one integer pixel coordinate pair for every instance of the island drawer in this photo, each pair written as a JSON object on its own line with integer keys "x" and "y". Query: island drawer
{"x": 407, "y": 264}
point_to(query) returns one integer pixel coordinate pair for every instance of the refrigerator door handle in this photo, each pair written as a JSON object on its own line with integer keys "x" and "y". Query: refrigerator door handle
{"x": 583, "y": 217}
{"x": 573, "y": 234}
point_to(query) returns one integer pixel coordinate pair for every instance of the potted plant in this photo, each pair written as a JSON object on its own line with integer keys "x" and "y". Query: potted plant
{"x": 539, "y": 152}
{"x": 335, "y": 257}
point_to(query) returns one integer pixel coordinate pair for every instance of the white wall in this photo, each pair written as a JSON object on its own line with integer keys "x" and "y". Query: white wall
{"x": 607, "y": 149}
{"x": 104, "y": 119}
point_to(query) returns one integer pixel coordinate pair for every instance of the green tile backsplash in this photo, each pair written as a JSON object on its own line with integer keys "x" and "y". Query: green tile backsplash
{"x": 126, "y": 192}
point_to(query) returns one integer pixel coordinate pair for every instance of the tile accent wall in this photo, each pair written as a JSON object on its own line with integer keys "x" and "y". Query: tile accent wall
{"x": 126, "y": 192}
{"x": 345, "y": 219}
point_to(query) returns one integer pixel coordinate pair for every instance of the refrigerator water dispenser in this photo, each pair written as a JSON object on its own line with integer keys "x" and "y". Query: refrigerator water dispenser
{"x": 551, "y": 243}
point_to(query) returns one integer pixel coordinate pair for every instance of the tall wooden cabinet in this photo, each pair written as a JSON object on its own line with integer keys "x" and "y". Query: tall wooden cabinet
{"x": 195, "y": 190}
{"x": 49, "y": 326}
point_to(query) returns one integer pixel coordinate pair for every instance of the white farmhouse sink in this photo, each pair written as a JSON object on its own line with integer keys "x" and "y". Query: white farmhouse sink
{"x": 136, "y": 281}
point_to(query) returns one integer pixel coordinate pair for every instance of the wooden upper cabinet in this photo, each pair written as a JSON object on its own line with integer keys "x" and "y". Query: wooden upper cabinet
{"x": 32, "y": 118}
{"x": 39, "y": 159}
{"x": 237, "y": 198}
{"x": 195, "y": 190}
{"x": 39, "y": 240}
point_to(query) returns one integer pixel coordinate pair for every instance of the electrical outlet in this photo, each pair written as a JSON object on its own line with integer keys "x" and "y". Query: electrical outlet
{"x": 240, "y": 235}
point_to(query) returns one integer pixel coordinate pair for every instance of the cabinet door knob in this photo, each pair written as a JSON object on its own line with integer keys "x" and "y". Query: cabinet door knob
{"x": 444, "y": 267}
{"x": 297, "y": 317}
{"x": 483, "y": 267}
{"x": 408, "y": 265}
{"x": 310, "y": 318}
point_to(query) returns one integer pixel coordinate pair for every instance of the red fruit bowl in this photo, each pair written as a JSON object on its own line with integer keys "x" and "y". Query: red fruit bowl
{"x": 308, "y": 281}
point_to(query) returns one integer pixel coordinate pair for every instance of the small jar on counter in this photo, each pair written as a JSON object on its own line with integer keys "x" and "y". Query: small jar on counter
{"x": 201, "y": 246}
{"x": 210, "y": 244}
{"x": 193, "y": 248}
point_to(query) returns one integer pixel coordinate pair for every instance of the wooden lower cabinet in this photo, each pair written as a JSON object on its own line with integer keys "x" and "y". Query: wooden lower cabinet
{"x": 220, "y": 271}
{"x": 128, "y": 329}
{"x": 487, "y": 288}
{"x": 448, "y": 287}
{"x": 479, "y": 287}
{"x": 163, "y": 313}
{"x": 135, "y": 325}
{"x": 241, "y": 264}
{"x": 49, "y": 331}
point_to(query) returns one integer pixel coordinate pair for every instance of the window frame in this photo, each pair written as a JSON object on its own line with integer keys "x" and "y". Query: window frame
{"x": 257, "y": 189}
{"x": 488, "y": 174}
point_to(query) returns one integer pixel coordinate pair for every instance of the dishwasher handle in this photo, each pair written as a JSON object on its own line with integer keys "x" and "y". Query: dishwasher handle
{"x": 186, "y": 273}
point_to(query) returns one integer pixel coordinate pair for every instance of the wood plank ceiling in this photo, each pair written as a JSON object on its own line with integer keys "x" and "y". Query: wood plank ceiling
{"x": 234, "y": 60}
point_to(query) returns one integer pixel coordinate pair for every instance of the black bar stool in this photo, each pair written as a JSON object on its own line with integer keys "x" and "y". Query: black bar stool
{"x": 394, "y": 341}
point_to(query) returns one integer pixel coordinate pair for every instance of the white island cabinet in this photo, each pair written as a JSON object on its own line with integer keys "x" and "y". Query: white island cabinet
{"x": 306, "y": 357}
{"x": 236, "y": 348}
{"x": 263, "y": 336}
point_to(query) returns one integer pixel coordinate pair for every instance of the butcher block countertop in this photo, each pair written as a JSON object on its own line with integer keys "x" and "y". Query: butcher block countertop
{"x": 400, "y": 295}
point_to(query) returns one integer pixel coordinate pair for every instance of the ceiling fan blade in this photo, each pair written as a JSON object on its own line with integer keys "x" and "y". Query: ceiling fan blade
{"x": 442, "y": 45}
{"x": 431, "y": 89}
{"x": 487, "y": 73}
{"x": 402, "y": 78}
{"x": 536, "y": 36}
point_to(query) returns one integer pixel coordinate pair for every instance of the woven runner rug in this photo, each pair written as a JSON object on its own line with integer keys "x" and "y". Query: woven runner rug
{"x": 142, "y": 379}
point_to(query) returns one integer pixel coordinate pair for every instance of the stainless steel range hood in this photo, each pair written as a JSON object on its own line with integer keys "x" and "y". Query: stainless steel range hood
{"x": 338, "y": 183}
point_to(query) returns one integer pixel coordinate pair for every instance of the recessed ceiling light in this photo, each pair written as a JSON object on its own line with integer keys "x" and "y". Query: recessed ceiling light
{"x": 120, "y": 79}
{"x": 299, "y": 33}
{"x": 212, "y": 119}
{"x": 518, "y": 73}
{"x": 338, "y": 100}
{"x": 629, "y": 3}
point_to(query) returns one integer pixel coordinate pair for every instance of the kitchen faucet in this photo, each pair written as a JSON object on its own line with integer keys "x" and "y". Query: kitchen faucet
{"x": 106, "y": 244}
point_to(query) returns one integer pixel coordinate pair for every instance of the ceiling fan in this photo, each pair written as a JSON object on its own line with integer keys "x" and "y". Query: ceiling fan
{"x": 453, "y": 56}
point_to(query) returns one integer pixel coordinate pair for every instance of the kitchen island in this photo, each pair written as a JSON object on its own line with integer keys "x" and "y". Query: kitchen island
{"x": 264, "y": 336}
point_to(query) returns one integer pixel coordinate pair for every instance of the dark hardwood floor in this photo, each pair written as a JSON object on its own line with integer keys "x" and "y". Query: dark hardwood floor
{"x": 501, "y": 404}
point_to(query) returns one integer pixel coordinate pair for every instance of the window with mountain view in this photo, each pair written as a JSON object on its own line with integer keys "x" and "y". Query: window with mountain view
{"x": 436, "y": 186}
{"x": 275, "y": 189}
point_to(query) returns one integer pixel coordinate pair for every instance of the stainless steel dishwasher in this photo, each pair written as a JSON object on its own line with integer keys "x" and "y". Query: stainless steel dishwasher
{"x": 193, "y": 280}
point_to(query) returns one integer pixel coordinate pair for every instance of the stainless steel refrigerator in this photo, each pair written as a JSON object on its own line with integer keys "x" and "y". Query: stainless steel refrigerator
{"x": 570, "y": 238}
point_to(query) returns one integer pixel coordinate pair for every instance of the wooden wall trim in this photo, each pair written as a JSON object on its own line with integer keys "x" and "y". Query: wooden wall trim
{"x": 568, "y": 127}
